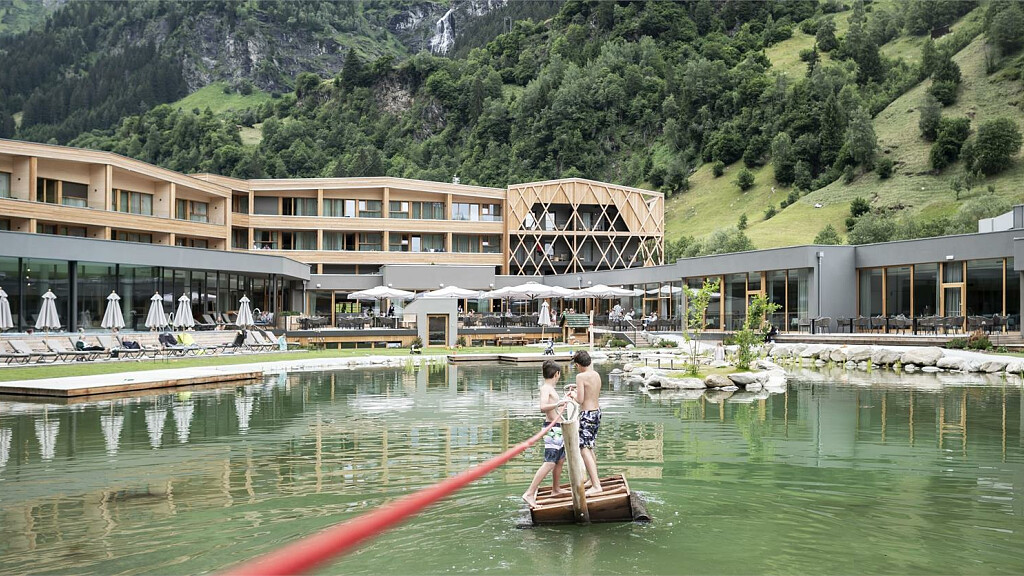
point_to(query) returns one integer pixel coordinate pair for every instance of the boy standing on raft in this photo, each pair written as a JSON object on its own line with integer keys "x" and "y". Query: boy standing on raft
{"x": 587, "y": 393}
{"x": 554, "y": 450}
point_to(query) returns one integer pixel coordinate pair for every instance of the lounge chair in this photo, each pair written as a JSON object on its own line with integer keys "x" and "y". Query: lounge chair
{"x": 208, "y": 323}
{"x": 254, "y": 341}
{"x": 18, "y": 357}
{"x": 116, "y": 350}
{"x": 24, "y": 348}
{"x": 64, "y": 353}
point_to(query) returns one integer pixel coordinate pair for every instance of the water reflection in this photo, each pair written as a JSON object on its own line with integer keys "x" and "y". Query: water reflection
{"x": 841, "y": 469}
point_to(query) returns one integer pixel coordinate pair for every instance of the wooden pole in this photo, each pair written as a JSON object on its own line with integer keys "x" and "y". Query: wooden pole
{"x": 577, "y": 472}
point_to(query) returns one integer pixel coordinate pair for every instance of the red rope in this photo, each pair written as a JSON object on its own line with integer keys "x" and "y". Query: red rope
{"x": 310, "y": 552}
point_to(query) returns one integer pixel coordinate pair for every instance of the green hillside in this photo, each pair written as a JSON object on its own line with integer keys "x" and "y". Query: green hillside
{"x": 914, "y": 189}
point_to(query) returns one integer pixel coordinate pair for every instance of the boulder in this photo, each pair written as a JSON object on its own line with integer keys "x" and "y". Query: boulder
{"x": 747, "y": 378}
{"x": 1014, "y": 366}
{"x": 718, "y": 395}
{"x": 819, "y": 362}
{"x": 951, "y": 363}
{"x": 754, "y": 387}
{"x": 850, "y": 365}
{"x": 993, "y": 365}
{"x": 838, "y": 355}
{"x": 862, "y": 365}
{"x": 859, "y": 353}
{"x": 719, "y": 364}
{"x": 811, "y": 351}
{"x": 884, "y": 357}
{"x": 931, "y": 369}
{"x": 922, "y": 356}
{"x": 717, "y": 381}
{"x": 910, "y": 368}
{"x": 682, "y": 383}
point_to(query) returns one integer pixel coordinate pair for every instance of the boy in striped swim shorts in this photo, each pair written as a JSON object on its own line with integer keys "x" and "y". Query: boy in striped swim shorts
{"x": 554, "y": 449}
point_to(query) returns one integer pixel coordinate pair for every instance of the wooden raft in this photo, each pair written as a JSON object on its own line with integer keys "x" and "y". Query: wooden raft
{"x": 614, "y": 504}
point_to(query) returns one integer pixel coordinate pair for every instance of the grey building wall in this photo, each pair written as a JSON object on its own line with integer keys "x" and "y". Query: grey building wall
{"x": 428, "y": 277}
{"x": 423, "y": 307}
{"x": 22, "y": 245}
{"x": 942, "y": 249}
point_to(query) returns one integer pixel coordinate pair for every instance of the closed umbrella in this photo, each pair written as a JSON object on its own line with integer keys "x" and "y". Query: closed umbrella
{"x": 156, "y": 418}
{"x": 112, "y": 425}
{"x": 6, "y": 320}
{"x": 46, "y": 432}
{"x": 48, "y": 318}
{"x": 243, "y": 410}
{"x": 183, "y": 317}
{"x": 183, "y": 412}
{"x": 545, "y": 315}
{"x": 156, "y": 318}
{"x": 245, "y": 318}
{"x": 5, "y": 445}
{"x": 112, "y": 317}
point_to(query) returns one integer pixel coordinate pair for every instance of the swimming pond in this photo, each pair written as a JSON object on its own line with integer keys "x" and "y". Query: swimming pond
{"x": 829, "y": 477}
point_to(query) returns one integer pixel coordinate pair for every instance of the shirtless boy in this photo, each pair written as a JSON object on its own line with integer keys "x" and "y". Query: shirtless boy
{"x": 554, "y": 450}
{"x": 588, "y": 391}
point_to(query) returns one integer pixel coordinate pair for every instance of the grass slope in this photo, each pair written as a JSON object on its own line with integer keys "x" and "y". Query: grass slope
{"x": 717, "y": 203}
{"x": 214, "y": 98}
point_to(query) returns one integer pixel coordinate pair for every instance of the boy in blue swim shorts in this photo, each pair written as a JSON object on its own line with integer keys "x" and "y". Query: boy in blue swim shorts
{"x": 554, "y": 449}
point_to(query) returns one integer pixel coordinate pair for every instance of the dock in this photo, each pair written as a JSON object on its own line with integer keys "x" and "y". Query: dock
{"x": 76, "y": 386}
{"x": 615, "y": 504}
{"x": 510, "y": 358}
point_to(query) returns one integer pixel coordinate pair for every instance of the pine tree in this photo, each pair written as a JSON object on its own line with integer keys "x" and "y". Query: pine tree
{"x": 861, "y": 139}
{"x": 833, "y": 127}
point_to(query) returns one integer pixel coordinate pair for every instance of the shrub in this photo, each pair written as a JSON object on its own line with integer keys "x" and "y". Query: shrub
{"x": 745, "y": 179}
{"x": 956, "y": 343}
{"x": 460, "y": 341}
{"x": 718, "y": 168}
{"x": 742, "y": 224}
{"x": 978, "y": 341}
{"x": 944, "y": 91}
{"x": 617, "y": 343}
{"x": 771, "y": 211}
{"x": 997, "y": 142}
{"x": 884, "y": 168}
{"x": 666, "y": 343}
{"x": 859, "y": 207}
{"x": 829, "y": 236}
{"x": 849, "y": 174}
{"x": 417, "y": 342}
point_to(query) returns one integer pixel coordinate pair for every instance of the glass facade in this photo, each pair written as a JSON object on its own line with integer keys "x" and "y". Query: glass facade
{"x": 82, "y": 288}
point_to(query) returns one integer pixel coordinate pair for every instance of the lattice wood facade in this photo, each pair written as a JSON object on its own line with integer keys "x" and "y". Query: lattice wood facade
{"x": 574, "y": 225}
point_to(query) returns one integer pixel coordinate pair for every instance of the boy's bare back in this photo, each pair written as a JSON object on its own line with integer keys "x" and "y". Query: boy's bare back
{"x": 590, "y": 382}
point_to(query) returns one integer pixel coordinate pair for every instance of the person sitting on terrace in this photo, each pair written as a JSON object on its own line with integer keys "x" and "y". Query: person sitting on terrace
{"x": 391, "y": 311}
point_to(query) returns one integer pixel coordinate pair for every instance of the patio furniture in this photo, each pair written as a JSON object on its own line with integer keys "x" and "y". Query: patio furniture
{"x": 23, "y": 348}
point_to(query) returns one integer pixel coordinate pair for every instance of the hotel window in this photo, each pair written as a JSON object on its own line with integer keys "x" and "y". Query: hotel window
{"x": 339, "y": 208}
{"x": 343, "y": 241}
{"x": 417, "y": 243}
{"x": 265, "y": 240}
{"x": 266, "y": 205}
{"x": 74, "y": 194}
{"x": 465, "y": 244}
{"x": 240, "y": 204}
{"x": 463, "y": 211}
{"x": 46, "y": 190}
{"x": 985, "y": 287}
{"x": 57, "y": 230}
{"x": 369, "y": 208}
{"x": 926, "y": 289}
{"x": 240, "y": 239}
{"x": 191, "y": 242}
{"x": 5, "y": 184}
{"x": 123, "y": 236}
{"x": 298, "y": 206}
{"x": 192, "y": 210}
{"x": 298, "y": 240}
{"x": 133, "y": 202}
{"x": 428, "y": 210}
{"x": 5, "y": 225}
{"x": 370, "y": 241}
{"x": 399, "y": 210}
{"x": 490, "y": 212}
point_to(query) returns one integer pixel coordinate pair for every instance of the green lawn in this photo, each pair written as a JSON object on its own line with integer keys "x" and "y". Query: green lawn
{"x": 90, "y": 369}
{"x": 214, "y": 98}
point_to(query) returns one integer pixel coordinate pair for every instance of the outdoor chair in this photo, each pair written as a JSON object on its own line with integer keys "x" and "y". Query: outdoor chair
{"x": 877, "y": 323}
{"x": 18, "y": 357}
{"x": 208, "y": 323}
{"x": 862, "y": 324}
{"x": 115, "y": 350}
{"x": 255, "y": 342}
{"x": 803, "y": 324}
{"x": 823, "y": 324}
{"x": 225, "y": 320}
{"x": 64, "y": 353}
{"x": 928, "y": 324}
{"x": 24, "y": 348}
{"x": 900, "y": 324}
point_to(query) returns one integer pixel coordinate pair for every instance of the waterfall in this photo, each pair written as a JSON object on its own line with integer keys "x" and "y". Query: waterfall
{"x": 444, "y": 34}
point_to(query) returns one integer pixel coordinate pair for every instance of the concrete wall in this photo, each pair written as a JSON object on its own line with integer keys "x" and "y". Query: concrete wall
{"x": 428, "y": 306}
{"x": 941, "y": 249}
{"x": 421, "y": 277}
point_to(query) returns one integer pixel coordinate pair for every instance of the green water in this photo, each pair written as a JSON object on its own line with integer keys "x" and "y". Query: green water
{"x": 827, "y": 478}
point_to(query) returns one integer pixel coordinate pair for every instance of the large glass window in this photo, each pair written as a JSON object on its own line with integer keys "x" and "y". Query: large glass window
{"x": 61, "y": 230}
{"x": 46, "y": 190}
{"x": 192, "y": 210}
{"x": 399, "y": 209}
{"x": 428, "y": 210}
{"x": 132, "y": 202}
{"x": 40, "y": 276}
{"x": 240, "y": 239}
{"x": 5, "y": 224}
{"x": 10, "y": 281}
{"x": 74, "y": 194}
{"x": 95, "y": 282}
{"x": 240, "y": 204}
{"x": 465, "y": 211}
{"x": 339, "y": 241}
{"x": 369, "y": 208}
{"x": 339, "y": 208}
{"x": 5, "y": 184}
{"x": 984, "y": 287}
{"x": 128, "y": 236}
{"x": 490, "y": 212}
{"x": 298, "y": 240}
{"x": 897, "y": 291}
{"x": 298, "y": 206}
{"x": 775, "y": 290}
{"x": 926, "y": 289}
{"x": 1012, "y": 295}
{"x": 265, "y": 205}
{"x": 871, "y": 292}
{"x": 370, "y": 242}
{"x": 735, "y": 300}
{"x": 798, "y": 297}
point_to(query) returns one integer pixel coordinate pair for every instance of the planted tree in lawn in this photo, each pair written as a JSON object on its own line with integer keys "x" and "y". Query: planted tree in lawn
{"x": 696, "y": 304}
{"x": 755, "y": 328}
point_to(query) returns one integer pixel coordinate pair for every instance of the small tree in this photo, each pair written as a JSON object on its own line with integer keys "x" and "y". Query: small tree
{"x": 742, "y": 225}
{"x": 997, "y": 142}
{"x": 697, "y": 302}
{"x": 753, "y": 331}
{"x": 828, "y": 236}
{"x": 718, "y": 168}
{"x": 931, "y": 115}
{"x": 745, "y": 179}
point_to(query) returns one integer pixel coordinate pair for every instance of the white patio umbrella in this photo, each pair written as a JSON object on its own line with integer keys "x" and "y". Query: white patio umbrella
{"x": 245, "y": 318}
{"x": 5, "y": 445}
{"x": 545, "y": 315}
{"x": 155, "y": 420}
{"x": 183, "y": 412}
{"x": 112, "y": 317}
{"x": 380, "y": 292}
{"x": 665, "y": 290}
{"x": 560, "y": 292}
{"x": 112, "y": 425}
{"x": 183, "y": 317}
{"x": 6, "y": 320}
{"x": 450, "y": 292}
{"x": 243, "y": 410}
{"x": 48, "y": 318}
{"x": 603, "y": 291}
{"x": 46, "y": 432}
{"x": 156, "y": 317}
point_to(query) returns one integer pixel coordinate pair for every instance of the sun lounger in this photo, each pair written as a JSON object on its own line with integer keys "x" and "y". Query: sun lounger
{"x": 208, "y": 323}
{"x": 24, "y": 348}
{"x": 64, "y": 353}
{"x": 18, "y": 357}
{"x": 254, "y": 341}
{"x": 115, "y": 349}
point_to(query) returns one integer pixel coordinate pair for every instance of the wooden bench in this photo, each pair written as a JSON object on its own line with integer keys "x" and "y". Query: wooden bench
{"x": 510, "y": 341}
